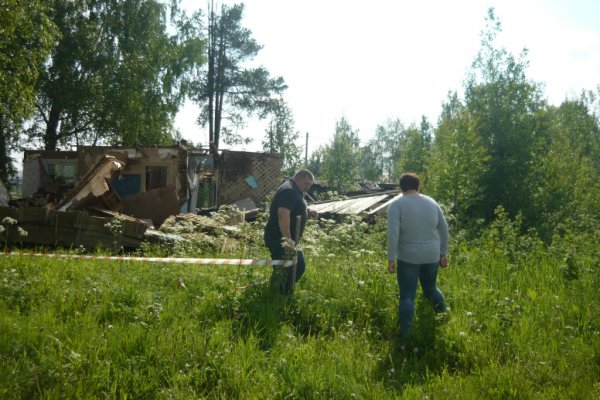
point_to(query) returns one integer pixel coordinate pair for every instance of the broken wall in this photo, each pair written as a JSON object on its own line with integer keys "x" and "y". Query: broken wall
{"x": 42, "y": 167}
{"x": 179, "y": 180}
{"x": 146, "y": 168}
{"x": 201, "y": 181}
{"x": 244, "y": 175}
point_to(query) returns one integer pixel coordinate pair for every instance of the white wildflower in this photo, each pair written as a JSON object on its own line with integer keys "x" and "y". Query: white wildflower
{"x": 7, "y": 221}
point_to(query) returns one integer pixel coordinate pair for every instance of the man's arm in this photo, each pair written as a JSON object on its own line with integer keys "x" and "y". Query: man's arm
{"x": 283, "y": 217}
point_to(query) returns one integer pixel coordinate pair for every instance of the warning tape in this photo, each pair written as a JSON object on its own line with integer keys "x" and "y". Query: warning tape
{"x": 181, "y": 260}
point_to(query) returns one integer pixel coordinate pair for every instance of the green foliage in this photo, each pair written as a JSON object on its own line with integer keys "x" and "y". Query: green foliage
{"x": 369, "y": 169}
{"x": 416, "y": 150}
{"x": 26, "y": 38}
{"x": 566, "y": 176}
{"x": 504, "y": 146}
{"x": 281, "y": 138}
{"x": 341, "y": 158}
{"x": 387, "y": 149}
{"x": 502, "y": 103}
{"x": 315, "y": 162}
{"x": 521, "y": 287}
{"x": 115, "y": 226}
{"x": 226, "y": 89}
{"x": 396, "y": 149}
{"x": 458, "y": 163}
{"x": 117, "y": 75}
{"x": 89, "y": 329}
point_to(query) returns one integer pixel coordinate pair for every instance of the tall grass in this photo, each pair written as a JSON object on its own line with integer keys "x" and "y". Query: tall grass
{"x": 523, "y": 323}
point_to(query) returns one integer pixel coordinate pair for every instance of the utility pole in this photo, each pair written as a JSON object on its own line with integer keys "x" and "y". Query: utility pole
{"x": 306, "y": 151}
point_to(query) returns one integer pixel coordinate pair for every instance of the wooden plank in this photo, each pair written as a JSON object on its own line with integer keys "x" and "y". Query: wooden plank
{"x": 70, "y": 228}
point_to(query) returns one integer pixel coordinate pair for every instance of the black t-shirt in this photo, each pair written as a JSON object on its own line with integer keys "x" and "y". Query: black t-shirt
{"x": 287, "y": 196}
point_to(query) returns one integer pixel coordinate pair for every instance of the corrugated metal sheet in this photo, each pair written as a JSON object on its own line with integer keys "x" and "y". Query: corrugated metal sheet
{"x": 382, "y": 209}
{"x": 350, "y": 206}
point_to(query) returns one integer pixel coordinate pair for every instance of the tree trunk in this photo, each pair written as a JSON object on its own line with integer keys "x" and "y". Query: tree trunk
{"x": 4, "y": 156}
{"x": 219, "y": 86}
{"x": 51, "y": 136}
{"x": 211, "y": 75}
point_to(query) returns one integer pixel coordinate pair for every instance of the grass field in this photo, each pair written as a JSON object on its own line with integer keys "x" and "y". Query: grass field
{"x": 523, "y": 323}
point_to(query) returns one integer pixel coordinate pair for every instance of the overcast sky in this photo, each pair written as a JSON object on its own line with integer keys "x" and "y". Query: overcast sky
{"x": 371, "y": 61}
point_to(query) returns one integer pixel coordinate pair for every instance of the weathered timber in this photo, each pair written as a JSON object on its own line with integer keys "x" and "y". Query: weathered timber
{"x": 47, "y": 227}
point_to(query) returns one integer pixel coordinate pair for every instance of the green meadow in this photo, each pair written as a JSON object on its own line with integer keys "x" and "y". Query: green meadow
{"x": 523, "y": 323}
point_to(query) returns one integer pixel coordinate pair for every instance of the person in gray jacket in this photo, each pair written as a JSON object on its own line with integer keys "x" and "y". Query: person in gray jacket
{"x": 418, "y": 244}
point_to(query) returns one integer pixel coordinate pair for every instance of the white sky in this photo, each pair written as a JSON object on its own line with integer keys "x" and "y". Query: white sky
{"x": 387, "y": 59}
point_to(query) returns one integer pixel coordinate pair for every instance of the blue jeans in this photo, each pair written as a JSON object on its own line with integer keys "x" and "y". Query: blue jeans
{"x": 281, "y": 277}
{"x": 408, "y": 275}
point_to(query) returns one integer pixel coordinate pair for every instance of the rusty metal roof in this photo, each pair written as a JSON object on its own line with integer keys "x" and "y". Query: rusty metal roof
{"x": 354, "y": 205}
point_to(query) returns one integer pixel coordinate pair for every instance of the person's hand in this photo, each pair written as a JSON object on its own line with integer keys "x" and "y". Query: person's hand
{"x": 443, "y": 261}
{"x": 391, "y": 266}
{"x": 313, "y": 214}
{"x": 288, "y": 245}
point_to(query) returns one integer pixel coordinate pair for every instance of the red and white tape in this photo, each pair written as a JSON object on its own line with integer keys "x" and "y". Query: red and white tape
{"x": 180, "y": 260}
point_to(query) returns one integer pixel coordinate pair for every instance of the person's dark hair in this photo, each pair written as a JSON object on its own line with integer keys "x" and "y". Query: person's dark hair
{"x": 409, "y": 181}
{"x": 304, "y": 174}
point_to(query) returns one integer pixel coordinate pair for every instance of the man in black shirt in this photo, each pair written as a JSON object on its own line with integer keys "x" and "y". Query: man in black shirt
{"x": 280, "y": 231}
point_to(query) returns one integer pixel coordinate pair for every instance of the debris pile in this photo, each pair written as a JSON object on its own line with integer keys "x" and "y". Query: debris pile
{"x": 220, "y": 227}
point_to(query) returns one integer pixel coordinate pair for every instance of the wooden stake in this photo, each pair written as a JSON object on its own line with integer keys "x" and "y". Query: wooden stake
{"x": 292, "y": 282}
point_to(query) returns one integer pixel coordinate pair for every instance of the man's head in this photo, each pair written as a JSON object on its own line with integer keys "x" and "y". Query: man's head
{"x": 409, "y": 181}
{"x": 304, "y": 180}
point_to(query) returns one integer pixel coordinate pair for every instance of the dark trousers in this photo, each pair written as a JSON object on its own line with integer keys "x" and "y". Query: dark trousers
{"x": 281, "y": 276}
